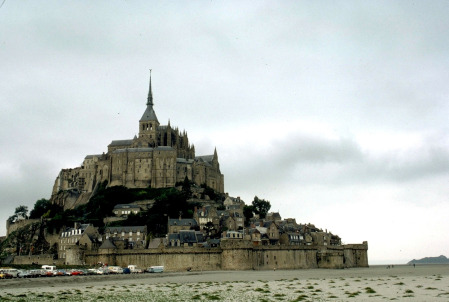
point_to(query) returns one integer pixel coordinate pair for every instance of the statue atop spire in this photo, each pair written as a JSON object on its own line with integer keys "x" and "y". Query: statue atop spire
{"x": 150, "y": 94}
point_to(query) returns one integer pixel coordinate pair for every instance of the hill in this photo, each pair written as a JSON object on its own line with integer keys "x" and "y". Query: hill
{"x": 431, "y": 260}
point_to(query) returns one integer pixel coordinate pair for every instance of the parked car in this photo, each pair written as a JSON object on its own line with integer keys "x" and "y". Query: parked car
{"x": 24, "y": 274}
{"x": 126, "y": 270}
{"x": 60, "y": 273}
{"x": 76, "y": 272}
{"x": 4, "y": 275}
{"x": 115, "y": 270}
{"x": 34, "y": 273}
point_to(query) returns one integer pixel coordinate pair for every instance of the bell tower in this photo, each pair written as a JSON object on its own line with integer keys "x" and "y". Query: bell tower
{"x": 148, "y": 124}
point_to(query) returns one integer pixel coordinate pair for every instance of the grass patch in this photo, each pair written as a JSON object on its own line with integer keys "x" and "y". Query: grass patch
{"x": 352, "y": 295}
{"x": 369, "y": 290}
{"x": 301, "y": 298}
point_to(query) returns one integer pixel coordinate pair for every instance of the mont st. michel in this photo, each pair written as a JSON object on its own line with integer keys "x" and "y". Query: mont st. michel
{"x": 151, "y": 200}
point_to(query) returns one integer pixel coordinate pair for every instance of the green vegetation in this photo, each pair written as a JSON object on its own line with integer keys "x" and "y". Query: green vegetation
{"x": 261, "y": 207}
{"x": 369, "y": 290}
{"x": 21, "y": 212}
{"x": 169, "y": 202}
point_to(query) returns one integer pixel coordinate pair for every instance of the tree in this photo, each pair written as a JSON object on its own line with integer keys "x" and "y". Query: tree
{"x": 248, "y": 213}
{"x": 41, "y": 207}
{"x": 261, "y": 207}
{"x": 21, "y": 212}
{"x": 209, "y": 229}
{"x": 186, "y": 190}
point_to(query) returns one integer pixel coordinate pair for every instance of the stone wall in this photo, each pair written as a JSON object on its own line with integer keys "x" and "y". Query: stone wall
{"x": 11, "y": 227}
{"x": 241, "y": 257}
{"x": 40, "y": 259}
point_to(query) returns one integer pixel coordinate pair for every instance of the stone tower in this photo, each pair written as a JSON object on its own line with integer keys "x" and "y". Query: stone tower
{"x": 149, "y": 124}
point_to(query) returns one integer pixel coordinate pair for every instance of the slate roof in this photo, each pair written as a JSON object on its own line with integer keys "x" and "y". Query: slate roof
{"x": 107, "y": 244}
{"x": 187, "y": 236}
{"x": 149, "y": 114}
{"x": 123, "y": 142}
{"x": 131, "y": 150}
{"x": 126, "y": 206}
{"x": 154, "y": 244}
{"x": 126, "y": 229}
{"x": 182, "y": 222}
{"x": 185, "y": 161}
{"x": 206, "y": 159}
{"x": 164, "y": 148}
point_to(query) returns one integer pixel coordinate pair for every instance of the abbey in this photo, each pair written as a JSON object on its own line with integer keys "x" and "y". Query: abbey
{"x": 159, "y": 157}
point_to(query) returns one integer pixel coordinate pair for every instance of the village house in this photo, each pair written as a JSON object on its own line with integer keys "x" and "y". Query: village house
{"x": 84, "y": 236}
{"x": 132, "y": 236}
{"x": 255, "y": 236}
{"x": 291, "y": 239}
{"x": 273, "y": 216}
{"x": 185, "y": 238}
{"x": 206, "y": 214}
{"x": 232, "y": 235}
{"x": 126, "y": 209}
{"x": 181, "y": 224}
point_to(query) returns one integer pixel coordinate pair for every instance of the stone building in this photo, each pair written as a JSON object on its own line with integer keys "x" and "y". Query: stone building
{"x": 181, "y": 224}
{"x": 125, "y": 209}
{"x": 158, "y": 157}
{"x": 134, "y": 236}
{"x": 81, "y": 236}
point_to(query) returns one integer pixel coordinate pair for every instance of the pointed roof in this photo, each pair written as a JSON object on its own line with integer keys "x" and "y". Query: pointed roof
{"x": 149, "y": 114}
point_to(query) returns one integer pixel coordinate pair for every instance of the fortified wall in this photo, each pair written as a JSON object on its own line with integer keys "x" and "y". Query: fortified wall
{"x": 11, "y": 227}
{"x": 229, "y": 257}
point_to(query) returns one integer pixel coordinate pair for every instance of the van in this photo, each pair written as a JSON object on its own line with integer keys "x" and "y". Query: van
{"x": 156, "y": 269}
{"x": 50, "y": 268}
{"x": 9, "y": 272}
{"x": 134, "y": 269}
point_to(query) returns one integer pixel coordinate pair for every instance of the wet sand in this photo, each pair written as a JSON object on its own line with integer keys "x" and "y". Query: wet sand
{"x": 377, "y": 283}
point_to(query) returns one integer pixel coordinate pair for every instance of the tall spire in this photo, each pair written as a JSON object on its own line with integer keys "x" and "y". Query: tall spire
{"x": 149, "y": 114}
{"x": 150, "y": 94}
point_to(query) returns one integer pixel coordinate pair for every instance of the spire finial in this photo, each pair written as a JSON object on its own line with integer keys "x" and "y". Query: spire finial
{"x": 150, "y": 94}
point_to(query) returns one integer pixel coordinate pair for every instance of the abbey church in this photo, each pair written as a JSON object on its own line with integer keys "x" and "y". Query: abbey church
{"x": 159, "y": 157}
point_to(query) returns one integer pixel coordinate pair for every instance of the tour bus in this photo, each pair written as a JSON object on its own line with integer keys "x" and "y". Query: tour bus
{"x": 156, "y": 269}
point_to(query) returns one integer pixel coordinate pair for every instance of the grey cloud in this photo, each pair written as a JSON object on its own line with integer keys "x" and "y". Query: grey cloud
{"x": 307, "y": 160}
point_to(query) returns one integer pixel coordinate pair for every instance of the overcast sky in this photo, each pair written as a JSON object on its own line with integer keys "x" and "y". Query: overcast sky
{"x": 335, "y": 112}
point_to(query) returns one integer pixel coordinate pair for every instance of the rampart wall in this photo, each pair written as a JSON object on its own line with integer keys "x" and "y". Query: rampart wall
{"x": 237, "y": 258}
{"x": 11, "y": 227}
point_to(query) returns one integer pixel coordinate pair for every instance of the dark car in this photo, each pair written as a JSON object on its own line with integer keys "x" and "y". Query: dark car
{"x": 126, "y": 270}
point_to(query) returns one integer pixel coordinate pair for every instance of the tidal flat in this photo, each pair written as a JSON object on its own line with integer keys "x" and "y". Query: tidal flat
{"x": 376, "y": 283}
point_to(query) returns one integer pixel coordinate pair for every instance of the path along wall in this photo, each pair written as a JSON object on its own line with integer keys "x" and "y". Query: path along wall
{"x": 229, "y": 257}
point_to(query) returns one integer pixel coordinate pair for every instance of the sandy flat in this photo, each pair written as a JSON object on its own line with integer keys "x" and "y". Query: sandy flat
{"x": 377, "y": 283}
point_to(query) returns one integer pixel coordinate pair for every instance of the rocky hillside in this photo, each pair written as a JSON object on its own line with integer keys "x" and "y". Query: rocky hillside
{"x": 431, "y": 260}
